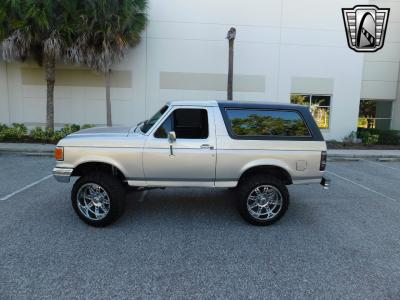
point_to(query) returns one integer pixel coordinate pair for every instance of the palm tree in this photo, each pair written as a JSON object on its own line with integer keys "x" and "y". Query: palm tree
{"x": 108, "y": 28}
{"x": 41, "y": 30}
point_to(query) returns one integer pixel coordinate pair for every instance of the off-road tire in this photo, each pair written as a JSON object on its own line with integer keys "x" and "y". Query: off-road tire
{"x": 248, "y": 185}
{"x": 116, "y": 193}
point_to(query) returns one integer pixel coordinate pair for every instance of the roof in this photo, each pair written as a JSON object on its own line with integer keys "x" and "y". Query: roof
{"x": 224, "y": 103}
{"x": 193, "y": 103}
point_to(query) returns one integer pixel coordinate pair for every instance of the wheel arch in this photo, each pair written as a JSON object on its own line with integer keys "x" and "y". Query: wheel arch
{"x": 268, "y": 169}
{"x": 87, "y": 167}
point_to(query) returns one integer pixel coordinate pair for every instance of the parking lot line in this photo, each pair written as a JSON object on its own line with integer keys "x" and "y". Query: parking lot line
{"x": 382, "y": 165}
{"x": 362, "y": 186}
{"x": 25, "y": 188}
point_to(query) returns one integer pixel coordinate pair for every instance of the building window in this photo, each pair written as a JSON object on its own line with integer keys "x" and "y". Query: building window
{"x": 375, "y": 114}
{"x": 319, "y": 105}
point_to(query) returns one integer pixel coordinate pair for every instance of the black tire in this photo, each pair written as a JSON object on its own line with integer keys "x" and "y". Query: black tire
{"x": 115, "y": 191}
{"x": 248, "y": 185}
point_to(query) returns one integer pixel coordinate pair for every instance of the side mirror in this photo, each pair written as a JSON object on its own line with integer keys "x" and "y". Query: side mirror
{"x": 171, "y": 137}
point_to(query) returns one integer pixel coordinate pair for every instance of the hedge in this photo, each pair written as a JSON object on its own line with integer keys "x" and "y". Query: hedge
{"x": 371, "y": 136}
{"x": 20, "y": 133}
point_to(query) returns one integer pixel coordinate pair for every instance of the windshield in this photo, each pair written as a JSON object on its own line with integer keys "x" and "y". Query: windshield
{"x": 153, "y": 120}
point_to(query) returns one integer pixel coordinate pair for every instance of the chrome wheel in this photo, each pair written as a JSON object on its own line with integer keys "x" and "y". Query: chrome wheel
{"x": 264, "y": 202}
{"x": 93, "y": 201}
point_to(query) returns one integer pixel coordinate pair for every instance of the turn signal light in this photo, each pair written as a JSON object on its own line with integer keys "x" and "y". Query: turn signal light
{"x": 59, "y": 153}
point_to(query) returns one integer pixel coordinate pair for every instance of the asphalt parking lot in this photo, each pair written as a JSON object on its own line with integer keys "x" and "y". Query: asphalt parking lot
{"x": 343, "y": 243}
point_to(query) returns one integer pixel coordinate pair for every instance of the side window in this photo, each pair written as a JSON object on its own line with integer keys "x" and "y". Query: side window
{"x": 187, "y": 123}
{"x": 249, "y": 122}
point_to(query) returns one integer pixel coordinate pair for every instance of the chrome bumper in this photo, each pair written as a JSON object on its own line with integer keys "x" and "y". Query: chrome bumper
{"x": 325, "y": 182}
{"x": 62, "y": 174}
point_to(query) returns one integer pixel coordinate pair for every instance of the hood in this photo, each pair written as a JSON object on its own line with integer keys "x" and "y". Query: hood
{"x": 103, "y": 131}
{"x": 103, "y": 137}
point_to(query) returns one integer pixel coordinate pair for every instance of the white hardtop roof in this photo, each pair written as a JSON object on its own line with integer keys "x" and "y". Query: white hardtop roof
{"x": 193, "y": 103}
{"x": 214, "y": 103}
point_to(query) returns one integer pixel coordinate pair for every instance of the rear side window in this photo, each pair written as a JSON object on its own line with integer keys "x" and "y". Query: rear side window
{"x": 268, "y": 123}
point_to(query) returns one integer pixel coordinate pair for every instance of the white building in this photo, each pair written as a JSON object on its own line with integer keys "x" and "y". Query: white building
{"x": 283, "y": 47}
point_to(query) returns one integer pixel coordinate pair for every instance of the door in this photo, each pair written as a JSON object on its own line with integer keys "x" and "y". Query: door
{"x": 190, "y": 159}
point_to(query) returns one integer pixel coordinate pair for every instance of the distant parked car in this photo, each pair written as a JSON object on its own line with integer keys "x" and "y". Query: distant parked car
{"x": 256, "y": 148}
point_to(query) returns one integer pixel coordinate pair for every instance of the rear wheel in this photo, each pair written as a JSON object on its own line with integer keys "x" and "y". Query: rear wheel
{"x": 263, "y": 200}
{"x": 98, "y": 199}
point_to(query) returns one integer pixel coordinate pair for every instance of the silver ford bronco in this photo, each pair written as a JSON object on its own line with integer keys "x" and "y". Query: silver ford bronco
{"x": 255, "y": 148}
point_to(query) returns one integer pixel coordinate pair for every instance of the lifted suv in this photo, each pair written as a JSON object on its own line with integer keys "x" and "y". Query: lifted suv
{"x": 256, "y": 148}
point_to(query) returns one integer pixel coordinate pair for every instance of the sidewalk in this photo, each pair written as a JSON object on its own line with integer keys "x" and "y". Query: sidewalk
{"x": 46, "y": 149}
{"x": 39, "y": 149}
{"x": 354, "y": 153}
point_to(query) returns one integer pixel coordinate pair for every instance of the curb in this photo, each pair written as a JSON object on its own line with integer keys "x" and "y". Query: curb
{"x": 382, "y": 158}
{"x": 37, "y": 150}
{"x": 24, "y": 153}
{"x": 32, "y": 151}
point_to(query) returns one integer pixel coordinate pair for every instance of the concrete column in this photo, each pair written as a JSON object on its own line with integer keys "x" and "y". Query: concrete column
{"x": 396, "y": 106}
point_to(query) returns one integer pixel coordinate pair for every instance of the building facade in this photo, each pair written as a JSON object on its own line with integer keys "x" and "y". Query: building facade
{"x": 285, "y": 51}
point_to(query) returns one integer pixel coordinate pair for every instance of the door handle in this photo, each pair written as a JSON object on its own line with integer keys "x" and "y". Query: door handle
{"x": 206, "y": 146}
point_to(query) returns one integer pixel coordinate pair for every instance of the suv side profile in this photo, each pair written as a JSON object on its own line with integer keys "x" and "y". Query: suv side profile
{"x": 255, "y": 148}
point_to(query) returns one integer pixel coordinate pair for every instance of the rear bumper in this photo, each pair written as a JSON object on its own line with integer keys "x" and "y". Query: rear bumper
{"x": 325, "y": 182}
{"x": 62, "y": 174}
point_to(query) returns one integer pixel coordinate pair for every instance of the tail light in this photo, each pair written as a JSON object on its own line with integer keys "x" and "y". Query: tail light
{"x": 322, "y": 165}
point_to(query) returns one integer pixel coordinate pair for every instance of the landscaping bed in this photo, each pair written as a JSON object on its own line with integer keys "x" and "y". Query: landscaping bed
{"x": 369, "y": 139}
{"x": 19, "y": 133}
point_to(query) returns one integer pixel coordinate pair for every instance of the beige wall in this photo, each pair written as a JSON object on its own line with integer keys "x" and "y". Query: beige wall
{"x": 396, "y": 109}
{"x": 183, "y": 56}
{"x": 381, "y": 69}
{"x": 79, "y": 96}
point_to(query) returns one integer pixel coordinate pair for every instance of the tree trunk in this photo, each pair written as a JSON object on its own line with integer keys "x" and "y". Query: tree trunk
{"x": 230, "y": 71}
{"x": 108, "y": 100}
{"x": 50, "y": 73}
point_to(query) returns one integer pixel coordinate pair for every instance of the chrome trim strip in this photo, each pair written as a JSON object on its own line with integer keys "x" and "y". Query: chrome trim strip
{"x": 181, "y": 179}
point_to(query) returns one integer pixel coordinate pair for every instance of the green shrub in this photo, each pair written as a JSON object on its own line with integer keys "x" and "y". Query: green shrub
{"x": 379, "y": 136}
{"x": 40, "y": 135}
{"x": 68, "y": 129}
{"x": 19, "y": 133}
{"x": 389, "y": 137}
{"x": 16, "y": 132}
{"x": 86, "y": 126}
{"x": 3, "y": 127}
{"x": 58, "y": 135}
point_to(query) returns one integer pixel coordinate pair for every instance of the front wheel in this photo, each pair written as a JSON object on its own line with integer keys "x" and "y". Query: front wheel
{"x": 263, "y": 200}
{"x": 98, "y": 199}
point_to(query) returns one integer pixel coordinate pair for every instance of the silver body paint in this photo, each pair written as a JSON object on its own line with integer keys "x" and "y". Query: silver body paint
{"x": 217, "y": 161}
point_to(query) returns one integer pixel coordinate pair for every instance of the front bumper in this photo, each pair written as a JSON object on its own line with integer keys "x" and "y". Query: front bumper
{"x": 62, "y": 174}
{"x": 325, "y": 182}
